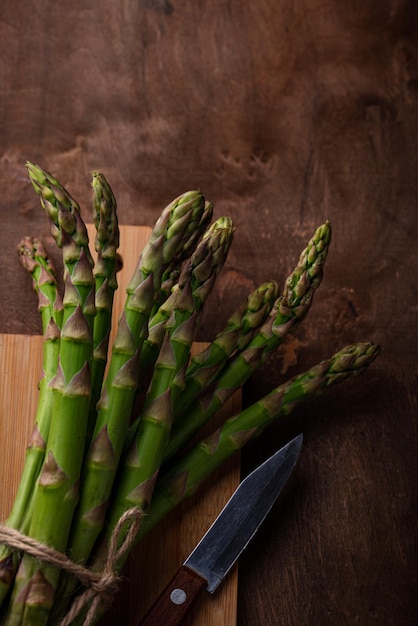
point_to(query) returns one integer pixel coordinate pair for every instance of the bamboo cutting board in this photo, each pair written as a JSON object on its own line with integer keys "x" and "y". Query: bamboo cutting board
{"x": 155, "y": 560}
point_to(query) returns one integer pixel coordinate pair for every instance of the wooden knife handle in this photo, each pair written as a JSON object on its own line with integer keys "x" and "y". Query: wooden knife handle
{"x": 173, "y": 603}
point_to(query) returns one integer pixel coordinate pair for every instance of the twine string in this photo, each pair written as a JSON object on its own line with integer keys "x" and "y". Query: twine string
{"x": 99, "y": 586}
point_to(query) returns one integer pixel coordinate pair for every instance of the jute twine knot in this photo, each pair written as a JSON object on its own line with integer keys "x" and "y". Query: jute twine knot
{"x": 99, "y": 586}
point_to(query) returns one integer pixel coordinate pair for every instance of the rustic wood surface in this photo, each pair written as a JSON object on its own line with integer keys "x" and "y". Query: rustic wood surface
{"x": 284, "y": 114}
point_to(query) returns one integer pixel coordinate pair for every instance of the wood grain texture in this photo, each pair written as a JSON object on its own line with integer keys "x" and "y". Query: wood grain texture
{"x": 284, "y": 114}
{"x": 166, "y": 547}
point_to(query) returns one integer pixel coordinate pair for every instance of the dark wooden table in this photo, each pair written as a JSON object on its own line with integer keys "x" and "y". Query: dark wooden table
{"x": 284, "y": 114}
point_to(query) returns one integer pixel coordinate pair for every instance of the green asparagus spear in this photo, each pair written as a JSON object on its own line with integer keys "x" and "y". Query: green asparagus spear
{"x": 290, "y": 308}
{"x": 106, "y": 245}
{"x": 34, "y": 258}
{"x": 56, "y": 493}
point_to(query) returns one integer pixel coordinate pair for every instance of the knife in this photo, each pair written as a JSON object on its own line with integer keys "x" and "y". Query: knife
{"x": 225, "y": 540}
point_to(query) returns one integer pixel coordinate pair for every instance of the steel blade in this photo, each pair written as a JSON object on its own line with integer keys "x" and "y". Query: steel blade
{"x": 241, "y": 517}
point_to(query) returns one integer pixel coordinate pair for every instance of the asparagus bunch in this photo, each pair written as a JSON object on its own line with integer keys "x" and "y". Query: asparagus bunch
{"x": 107, "y": 443}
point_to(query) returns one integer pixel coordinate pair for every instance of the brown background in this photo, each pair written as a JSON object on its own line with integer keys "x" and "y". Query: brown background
{"x": 284, "y": 114}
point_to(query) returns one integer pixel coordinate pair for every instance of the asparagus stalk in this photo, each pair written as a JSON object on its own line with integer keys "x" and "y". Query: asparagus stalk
{"x": 34, "y": 259}
{"x": 289, "y": 310}
{"x": 106, "y": 245}
{"x": 56, "y": 493}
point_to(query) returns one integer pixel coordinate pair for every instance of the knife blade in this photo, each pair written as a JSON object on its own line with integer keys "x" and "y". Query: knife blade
{"x": 229, "y": 535}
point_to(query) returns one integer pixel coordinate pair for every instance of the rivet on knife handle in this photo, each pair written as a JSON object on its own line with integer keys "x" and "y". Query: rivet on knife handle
{"x": 175, "y": 600}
